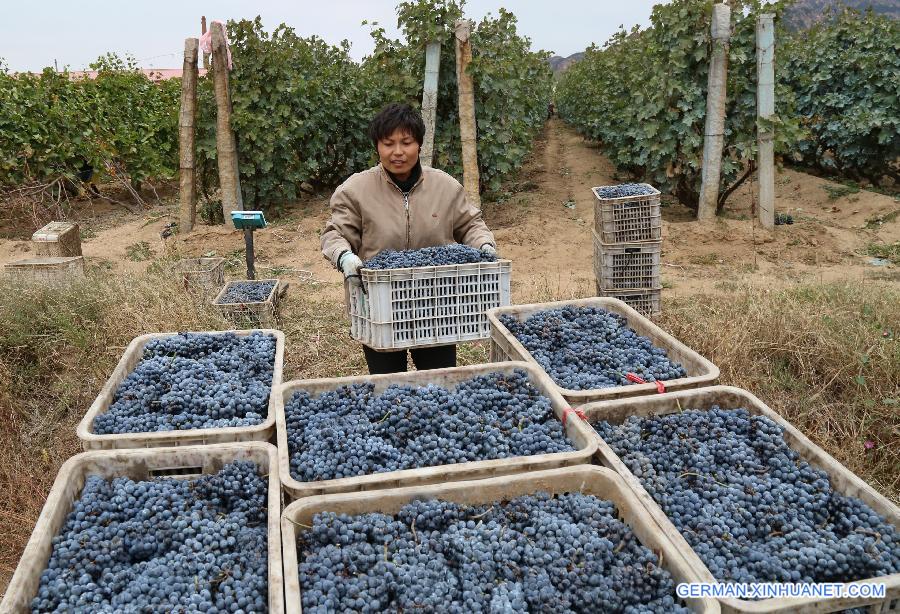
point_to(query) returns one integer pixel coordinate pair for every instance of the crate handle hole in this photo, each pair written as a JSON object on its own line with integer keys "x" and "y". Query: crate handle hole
{"x": 176, "y": 472}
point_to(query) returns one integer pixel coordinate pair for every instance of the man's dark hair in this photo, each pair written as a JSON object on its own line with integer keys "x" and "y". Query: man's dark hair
{"x": 396, "y": 116}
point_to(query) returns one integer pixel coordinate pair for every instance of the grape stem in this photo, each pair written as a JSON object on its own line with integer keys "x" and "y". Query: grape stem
{"x": 686, "y": 473}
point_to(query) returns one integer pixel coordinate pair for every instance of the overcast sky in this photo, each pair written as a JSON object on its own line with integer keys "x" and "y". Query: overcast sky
{"x": 34, "y": 33}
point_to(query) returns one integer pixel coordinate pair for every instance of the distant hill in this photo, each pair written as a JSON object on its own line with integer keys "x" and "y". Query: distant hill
{"x": 559, "y": 64}
{"x": 804, "y": 13}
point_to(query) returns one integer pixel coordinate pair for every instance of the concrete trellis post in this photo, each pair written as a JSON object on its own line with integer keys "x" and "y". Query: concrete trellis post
{"x": 714, "y": 136}
{"x": 765, "y": 109}
{"x": 203, "y": 31}
{"x": 471, "y": 179}
{"x": 429, "y": 100}
{"x": 187, "y": 189}
{"x": 226, "y": 147}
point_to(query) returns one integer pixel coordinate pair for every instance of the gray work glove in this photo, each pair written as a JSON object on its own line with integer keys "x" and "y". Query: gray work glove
{"x": 490, "y": 250}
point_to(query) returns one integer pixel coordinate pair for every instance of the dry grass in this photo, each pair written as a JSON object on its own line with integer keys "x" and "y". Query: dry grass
{"x": 826, "y": 357}
{"x": 817, "y": 355}
{"x": 56, "y": 350}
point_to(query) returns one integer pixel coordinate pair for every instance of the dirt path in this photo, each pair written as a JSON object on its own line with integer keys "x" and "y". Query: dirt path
{"x": 543, "y": 224}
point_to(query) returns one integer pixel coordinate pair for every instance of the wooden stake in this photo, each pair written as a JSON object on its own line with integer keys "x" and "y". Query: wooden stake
{"x": 471, "y": 179}
{"x": 203, "y": 31}
{"x": 229, "y": 177}
{"x": 714, "y": 137}
{"x": 187, "y": 189}
{"x": 429, "y": 100}
{"x": 765, "y": 109}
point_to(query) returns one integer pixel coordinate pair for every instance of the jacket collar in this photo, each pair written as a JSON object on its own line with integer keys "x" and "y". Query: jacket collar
{"x": 384, "y": 175}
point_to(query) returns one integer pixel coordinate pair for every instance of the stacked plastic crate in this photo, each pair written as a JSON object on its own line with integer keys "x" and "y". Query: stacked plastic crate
{"x": 627, "y": 244}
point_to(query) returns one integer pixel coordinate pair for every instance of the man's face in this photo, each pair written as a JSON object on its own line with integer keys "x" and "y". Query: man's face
{"x": 399, "y": 153}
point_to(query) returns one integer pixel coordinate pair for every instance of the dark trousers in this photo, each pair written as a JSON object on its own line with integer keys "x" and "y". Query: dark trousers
{"x": 424, "y": 359}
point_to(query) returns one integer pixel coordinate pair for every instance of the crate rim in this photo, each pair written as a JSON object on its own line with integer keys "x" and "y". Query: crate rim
{"x": 435, "y": 267}
{"x": 624, "y": 199}
{"x": 25, "y": 568}
{"x": 678, "y": 401}
{"x": 215, "y": 261}
{"x": 85, "y": 429}
{"x": 269, "y": 298}
{"x": 43, "y": 261}
{"x": 709, "y": 374}
{"x": 593, "y": 478}
{"x": 383, "y": 480}
{"x": 624, "y": 244}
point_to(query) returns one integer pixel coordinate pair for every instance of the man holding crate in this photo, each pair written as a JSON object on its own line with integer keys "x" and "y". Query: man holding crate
{"x": 399, "y": 205}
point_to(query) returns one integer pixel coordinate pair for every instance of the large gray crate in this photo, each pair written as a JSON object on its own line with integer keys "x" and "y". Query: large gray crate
{"x": 182, "y": 463}
{"x": 596, "y": 481}
{"x": 700, "y": 371}
{"x": 190, "y": 437}
{"x": 61, "y": 239}
{"x": 842, "y": 480}
{"x": 577, "y": 432}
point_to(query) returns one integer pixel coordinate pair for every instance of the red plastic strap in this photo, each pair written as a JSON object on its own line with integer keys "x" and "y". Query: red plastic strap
{"x": 577, "y": 412}
{"x": 633, "y": 377}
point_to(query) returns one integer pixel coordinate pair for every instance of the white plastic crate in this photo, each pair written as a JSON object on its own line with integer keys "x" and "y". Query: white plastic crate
{"x": 47, "y": 270}
{"x": 629, "y": 218}
{"x": 203, "y": 277}
{"x": 61, "y": 239}
{"x": 627, "y": 266}
{"x": 426, "y": 306}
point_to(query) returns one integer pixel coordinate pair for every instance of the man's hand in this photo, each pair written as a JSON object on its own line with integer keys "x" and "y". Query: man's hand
{"x": 490, "y": 250}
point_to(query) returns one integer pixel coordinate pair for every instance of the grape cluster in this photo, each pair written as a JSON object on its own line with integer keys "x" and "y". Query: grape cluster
{"x": 427, "y": 256}
{"x": 783, "y": 219}
{"x": 163, "y": 545}
{"x": 535, "y": 553}
{"x": 246, "y": 292}
{"x": 353, "y": 431}
{"x": 194, "y": 381}
{"x": 585, "y": 348}
{"x": 749, "y": 506}
{"x": 622, "y": 190}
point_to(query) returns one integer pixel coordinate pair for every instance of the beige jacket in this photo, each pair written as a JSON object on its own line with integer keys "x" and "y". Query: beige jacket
{"x": 369, "y": 214}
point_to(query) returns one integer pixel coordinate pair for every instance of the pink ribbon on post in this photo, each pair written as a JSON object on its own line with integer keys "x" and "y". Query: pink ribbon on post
{"x": 206, "y": 42}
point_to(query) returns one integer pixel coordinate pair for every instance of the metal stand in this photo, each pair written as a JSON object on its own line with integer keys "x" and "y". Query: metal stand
{"x": 248, "y": 246}
{"x": 248, "y": 221}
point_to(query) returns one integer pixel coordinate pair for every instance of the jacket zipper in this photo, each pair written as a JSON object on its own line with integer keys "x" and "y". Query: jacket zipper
{"x": 405, "y": 207}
